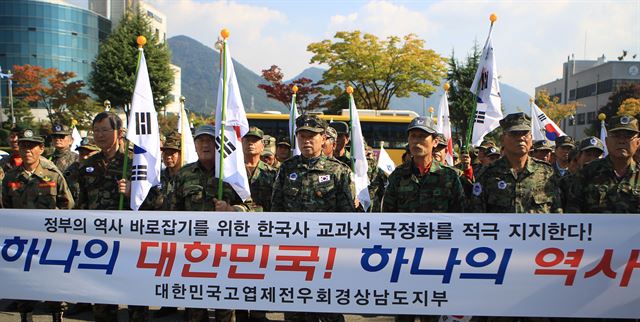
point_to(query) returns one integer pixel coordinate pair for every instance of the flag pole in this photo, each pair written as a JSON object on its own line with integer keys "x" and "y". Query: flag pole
{"x": 292, "y": 121}
{"x": 182, "y": 133}
{"x": 472, "y": 117}
{"x": 225, "y": 34}
{"x": 141, "y": 41}
{"x": 350, "y": 92}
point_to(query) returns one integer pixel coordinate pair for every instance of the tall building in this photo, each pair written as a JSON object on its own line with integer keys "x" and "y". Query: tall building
{"x": 49, "y": 33}
{"x": 589, "y": 83}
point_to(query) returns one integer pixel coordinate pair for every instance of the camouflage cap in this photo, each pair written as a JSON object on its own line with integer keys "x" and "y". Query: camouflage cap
{"x": 27, "y": 135}
{"x": 340, "y": 127}
{"x": 486, "y": 144}
{"x": 88, "y": 143}
{"x": 284, "y": 140}
{"x": 172, "y": 141}
{"x": 493, "y": 151}
{"x": 565, "y": 140}
{"x": 310, "y": 123}
{"x": 266, "y": 152}
{"x": 442, "y": 141}
{"x": 331, "y": 133}
{"x": 422, "y": 123}
{"x": 516, "y": 122}
{"x": 591, "y": 142}
{"x": 541, "y": 145}
{"x": 255, "y": 131}
{"x": 206, "y": 129}
{"x": 624, "y": 122}
{"x": 60, "y": 129}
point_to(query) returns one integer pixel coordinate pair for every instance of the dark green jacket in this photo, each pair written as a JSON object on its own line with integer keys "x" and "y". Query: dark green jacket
{"x": 261, "y": 185}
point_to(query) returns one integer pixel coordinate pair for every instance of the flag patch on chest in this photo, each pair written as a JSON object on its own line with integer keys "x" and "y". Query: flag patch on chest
{"x": 326, "y": 178}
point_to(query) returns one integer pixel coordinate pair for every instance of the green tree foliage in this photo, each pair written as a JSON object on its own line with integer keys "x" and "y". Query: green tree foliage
{"x": 461, "y": 100}
{"x": 114, "y": 71}
{"x": 622, "y": 93}
{"x": 379, "y": 69}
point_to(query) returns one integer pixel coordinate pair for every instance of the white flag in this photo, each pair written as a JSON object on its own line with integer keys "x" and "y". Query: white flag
{"x": 293, "y": 115}
{"x": 235, "y": 127}
{"x": 77, "y": 139}
{"x": 444, "y": 127}
{"x": 188, "y": 153}
{"x": 360, "y": 159}
{"x": 385, "y": 163}
{"x": 543, "y": 127}
{"x": 144, "y": 133}
{"x": 487, "y": 89}
{"x": 603, "y": 138}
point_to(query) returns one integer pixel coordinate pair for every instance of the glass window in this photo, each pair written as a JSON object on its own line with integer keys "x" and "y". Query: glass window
{"x": 591, "y": 116}
{"x": 581, "y": 119}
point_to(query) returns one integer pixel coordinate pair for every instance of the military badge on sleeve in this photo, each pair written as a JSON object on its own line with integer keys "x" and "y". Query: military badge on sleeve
{"x": 293, "y": 176}
{"x": 502, "y": 185}
{"x": 477, "y": 189}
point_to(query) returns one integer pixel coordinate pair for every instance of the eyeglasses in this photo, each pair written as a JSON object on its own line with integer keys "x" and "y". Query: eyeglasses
{"x": 623, "y": 135}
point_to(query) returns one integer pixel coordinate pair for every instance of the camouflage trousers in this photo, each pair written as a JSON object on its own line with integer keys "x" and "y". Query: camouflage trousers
{"x": 109, "y": 313}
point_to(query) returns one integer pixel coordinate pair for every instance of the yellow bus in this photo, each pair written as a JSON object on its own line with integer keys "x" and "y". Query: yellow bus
{"x": 388, "y": 126}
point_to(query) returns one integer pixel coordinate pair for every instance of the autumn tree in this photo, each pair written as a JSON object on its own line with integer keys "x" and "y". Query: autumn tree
{"x": 54, "y": 90}
{"x": 379, "y": 69}
{"x": 619, "y": 95}
{"x": 554, "y": 110}
{"x": 308, "y": 95}
{"x": 114, "y": 70}
{"x": 630, "y": 106}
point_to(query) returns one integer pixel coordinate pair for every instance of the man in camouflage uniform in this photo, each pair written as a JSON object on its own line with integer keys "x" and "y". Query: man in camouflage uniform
{"x": 424, "y": 184}
{"x": 312, "y": 182}
{"x": 492, "y": 154}
{"x": 516, "y": 183}
{"x": 61, "y": 139}
{"x": 283, "y": 150}
{"x": 612, "y": 184}
{"x": 542, "y": 150}
{"x": 195, "y": 189}
{"x": 86, "y": 149}
{"x": 35, "y": 184}
{"x": 14, "y": 159}
{"x": 342, "y": 142}
{"x": 439, "y": 150}
{"x": 171, "y": 149}
{"x": 589, "y": 149}
{"x": 101, "y": 184}
{"x": 564, "y": 144}
{"x": 261, "y": 176}
{"x": 378, "y": 179}
{"x": 268, "y": 155}
{"x": 330, "y": 144}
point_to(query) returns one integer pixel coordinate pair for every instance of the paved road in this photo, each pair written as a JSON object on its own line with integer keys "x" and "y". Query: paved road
{"x": 41, "y": 316}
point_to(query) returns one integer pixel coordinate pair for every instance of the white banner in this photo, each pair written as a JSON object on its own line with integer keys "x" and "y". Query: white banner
{"x": 443, "y": 264}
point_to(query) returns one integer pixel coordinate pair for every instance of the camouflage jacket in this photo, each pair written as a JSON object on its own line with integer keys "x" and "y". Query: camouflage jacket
{"x": 8, "y": 161}
{"x": 438, "y": 190}
{"x": 167, "y": 181}
{"x": 534, "y": 190}
{"x": 98, "y": 182}
{"x": 261, "y": 184}
{"x": 345, "y": 158}
{"x": 63, "y": 159}
{"x": 45, "y": 188}
{"x": 565, "y": 184}
{"x": 195, "y": 188}
{"x": 319, "y": 184}
{"x": 71, "y": 175}
{"x": 597, "y": 189}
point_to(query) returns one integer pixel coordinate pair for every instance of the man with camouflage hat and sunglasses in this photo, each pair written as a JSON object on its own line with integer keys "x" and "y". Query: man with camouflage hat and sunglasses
{"x": 61, "y": 140}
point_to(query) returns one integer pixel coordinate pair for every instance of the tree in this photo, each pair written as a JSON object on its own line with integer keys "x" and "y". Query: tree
{"x": 308, "y": 96}
{"x": 60, "y": 95}
{"x": 630, "y": 106}
{"x": 379, "y": 69}
{"x": 114, "y": 70}
{"x": 461, "y": 100}
{"x": 554, "y": 110}
{"x": 620, "y": 94}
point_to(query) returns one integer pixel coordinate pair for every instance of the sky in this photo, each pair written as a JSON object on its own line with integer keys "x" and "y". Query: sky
{"x": 531, "y": 38}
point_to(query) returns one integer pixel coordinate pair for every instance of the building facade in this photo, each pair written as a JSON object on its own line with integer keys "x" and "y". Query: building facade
{"x": 589, "y": 83}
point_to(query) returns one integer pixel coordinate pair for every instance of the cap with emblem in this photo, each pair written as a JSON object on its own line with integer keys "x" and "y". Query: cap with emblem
{"x": 493, "y": 151}
{"x": 88, "y": 143}
{"x": 284, "y": 140}
{"x": 255, "y": 131}
{"x": 486, "y": 144}
{"x": 542, "y": 145}
{"x": 331, "y": 133}
{"x": 422, "y": 123}
{"x": 340, "y": 127}
{"x": 442, "y": 141}
{"x": 516, "y": 122}
{"x": 591, "y": 142}
{"x": 206, "y": 129}
{"x": 27, "y": 135}
{"x": 59, "y": 129}
{"x": 173, "y": 141}
{"x": 565, "y": 140}
{"x": 624, "y": 122}
{"x": 310, "y": 123}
